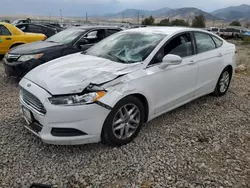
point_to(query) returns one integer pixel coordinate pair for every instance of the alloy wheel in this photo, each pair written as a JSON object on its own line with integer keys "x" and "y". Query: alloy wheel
{"x": 126, "y": 121}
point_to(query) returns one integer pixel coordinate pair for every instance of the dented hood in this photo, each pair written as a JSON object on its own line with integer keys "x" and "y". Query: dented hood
{"x": 73, "y": 73}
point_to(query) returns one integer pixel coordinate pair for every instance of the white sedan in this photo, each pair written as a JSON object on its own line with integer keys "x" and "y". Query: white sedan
{"x": 108, "y": 92}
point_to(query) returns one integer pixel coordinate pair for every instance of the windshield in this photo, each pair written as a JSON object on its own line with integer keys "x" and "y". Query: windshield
{"x": 214, "y": 29}
{"x": 65, "y": 36}
{"x": 127, "y": 47}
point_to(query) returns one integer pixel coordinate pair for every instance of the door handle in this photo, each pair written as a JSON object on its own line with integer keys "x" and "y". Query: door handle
{"x": 8, "y": 38}
{"x": 220, "y": 54}
{"x": 191, "y": 62}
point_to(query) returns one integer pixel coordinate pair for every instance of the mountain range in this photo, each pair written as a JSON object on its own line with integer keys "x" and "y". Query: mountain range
{"x": 241, "y": 13}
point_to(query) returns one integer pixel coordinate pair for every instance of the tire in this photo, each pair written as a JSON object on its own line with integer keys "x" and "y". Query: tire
{"x": 115, "y": 135}
{"x": 226, "y": 75}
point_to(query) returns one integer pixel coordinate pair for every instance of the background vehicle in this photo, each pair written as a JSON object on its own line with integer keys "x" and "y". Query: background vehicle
{"x": 7, "y": 21}
{"x": 11, "y": 36}
{"x": 20, "y": 21}
{"x": 38, "y": 28}
{"x": 21, "y": 60}
{"x": 129, "y": 78}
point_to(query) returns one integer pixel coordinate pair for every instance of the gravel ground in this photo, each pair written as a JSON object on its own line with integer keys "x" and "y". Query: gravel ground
{"x": 204, "y": 144}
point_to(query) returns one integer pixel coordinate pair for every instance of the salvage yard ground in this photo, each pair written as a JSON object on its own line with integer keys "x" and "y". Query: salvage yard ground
{"x": 203, "y": 144}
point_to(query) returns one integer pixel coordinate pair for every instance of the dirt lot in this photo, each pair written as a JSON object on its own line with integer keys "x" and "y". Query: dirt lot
{"x": 203, "y": 144}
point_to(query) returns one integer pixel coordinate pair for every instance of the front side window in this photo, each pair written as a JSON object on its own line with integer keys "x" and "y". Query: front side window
{"x": 180, "y": 45}
{"x": 22, "y": 27}
{"x": 92, "y": 37}
{"x": 127, "y": 47}
{"x": 66, "y": 36}
{"x": 204, "y": 42}
{"x": 4, "y": 31}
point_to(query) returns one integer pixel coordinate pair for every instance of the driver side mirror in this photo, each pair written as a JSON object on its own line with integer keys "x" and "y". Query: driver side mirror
{"x": 170, "y": 59}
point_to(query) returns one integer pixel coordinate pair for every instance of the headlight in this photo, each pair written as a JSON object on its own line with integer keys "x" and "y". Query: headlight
{"x": 72, "y": 100}
{"x": 29, "y": 57}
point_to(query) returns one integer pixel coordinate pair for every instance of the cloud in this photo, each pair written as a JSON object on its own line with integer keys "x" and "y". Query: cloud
{"x": 80, "y": 7}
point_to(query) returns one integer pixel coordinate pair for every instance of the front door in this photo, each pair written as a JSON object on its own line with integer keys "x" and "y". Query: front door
{"x": 176, "y": 84}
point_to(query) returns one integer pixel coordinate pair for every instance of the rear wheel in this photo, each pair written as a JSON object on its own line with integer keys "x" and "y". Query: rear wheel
{"x": 124, "y": 122}
{"x": 223, "y": 82}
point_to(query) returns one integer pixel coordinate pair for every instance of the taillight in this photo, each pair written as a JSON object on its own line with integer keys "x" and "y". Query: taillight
{"x": 45, "y": 38}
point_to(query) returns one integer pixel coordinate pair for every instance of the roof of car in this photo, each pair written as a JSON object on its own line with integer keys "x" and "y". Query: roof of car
{"x": 164, "y": 30}
{"x": 96, "y": 27}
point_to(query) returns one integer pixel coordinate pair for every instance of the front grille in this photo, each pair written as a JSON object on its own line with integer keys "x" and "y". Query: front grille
{"x": 11, "y": 57}
{"x": 32, "y": 101}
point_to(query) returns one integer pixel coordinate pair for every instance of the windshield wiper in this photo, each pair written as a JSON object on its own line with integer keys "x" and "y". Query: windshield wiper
{"x": 117, "y": 58}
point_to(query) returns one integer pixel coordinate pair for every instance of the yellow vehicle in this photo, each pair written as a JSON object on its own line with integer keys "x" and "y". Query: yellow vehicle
{"x": 11, "y": 36}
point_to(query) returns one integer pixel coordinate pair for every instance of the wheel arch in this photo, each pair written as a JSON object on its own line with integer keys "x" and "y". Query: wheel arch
{"x": 16, "y": 44}
{"x": 230, "y": 69}
{"x": 144, "y": 101}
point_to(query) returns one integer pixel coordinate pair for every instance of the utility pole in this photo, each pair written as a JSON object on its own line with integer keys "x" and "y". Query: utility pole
{"x": 138, "y": 18}
{"x": 213, "y": 23}
{"x": 50, "y": 17}
{"x": 122, "y": 16}
{"x": 86, "y": 17}
{"x": 61, "y": 14}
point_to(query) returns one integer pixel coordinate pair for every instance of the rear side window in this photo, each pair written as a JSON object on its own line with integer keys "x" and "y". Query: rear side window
{"x": 4, "y": 31}
{"x": 229, "y": 30}
{"x": 35, "y": 29}
{"x": 217, "y": 41}
{"x": 204, "y": 42}
{"x": 111, "y": 31}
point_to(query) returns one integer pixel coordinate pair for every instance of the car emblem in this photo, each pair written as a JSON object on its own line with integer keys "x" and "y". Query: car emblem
{"x": 28, "y": 85}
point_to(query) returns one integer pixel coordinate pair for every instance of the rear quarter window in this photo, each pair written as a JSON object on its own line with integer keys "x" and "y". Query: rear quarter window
{"x": 218, "y": 42}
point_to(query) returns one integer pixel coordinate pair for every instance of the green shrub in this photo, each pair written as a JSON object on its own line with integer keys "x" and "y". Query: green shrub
{"x": 246, "y": 40}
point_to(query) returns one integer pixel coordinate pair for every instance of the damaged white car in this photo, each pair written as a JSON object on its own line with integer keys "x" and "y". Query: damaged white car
{"x": 108, "y": 92}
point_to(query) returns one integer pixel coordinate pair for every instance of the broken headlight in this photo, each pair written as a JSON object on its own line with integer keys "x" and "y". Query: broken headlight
{"x": 71, "y": 100}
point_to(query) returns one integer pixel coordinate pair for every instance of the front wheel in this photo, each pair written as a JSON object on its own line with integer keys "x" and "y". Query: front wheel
{"x": 223, "y": 83}
{"x": 124, "y": 122}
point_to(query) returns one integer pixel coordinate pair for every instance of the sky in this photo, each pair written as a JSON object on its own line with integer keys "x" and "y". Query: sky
{"x": 98, "y": 7}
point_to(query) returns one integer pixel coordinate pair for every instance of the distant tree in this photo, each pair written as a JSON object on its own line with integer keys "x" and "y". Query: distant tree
{"x": 199, "y": 21}
{"x": 164, "y": 22}
{"x": 178, "y": 22}
{"x": 235, "y": 23}
{"x": 148, "y": 21}
{"x": 247, "y": 25}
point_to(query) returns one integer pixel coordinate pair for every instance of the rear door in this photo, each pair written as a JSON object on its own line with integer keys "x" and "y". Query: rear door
{"x": 210, "y": 61}
{"x": 5, "y": 40}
